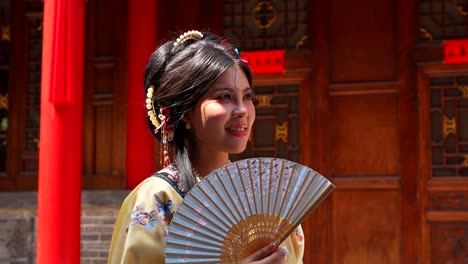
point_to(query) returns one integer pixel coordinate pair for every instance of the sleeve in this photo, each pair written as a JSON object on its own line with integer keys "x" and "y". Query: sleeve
{"x": 295, "y": 245}
{"x": 142, "y": 224}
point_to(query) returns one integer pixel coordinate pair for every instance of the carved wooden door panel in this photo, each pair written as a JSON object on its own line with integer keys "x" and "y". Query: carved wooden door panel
{"x": 5, "y": 47}
{"x": 443, "y": 123}
{"x": 443, "y": 135}
{"x": 105, "y": 95}
{"x": 21, "y": 54}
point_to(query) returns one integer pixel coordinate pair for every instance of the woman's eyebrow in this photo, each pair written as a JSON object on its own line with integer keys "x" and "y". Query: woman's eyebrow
{"x": 228, "y": 89}
{"x": 222, "y": 88}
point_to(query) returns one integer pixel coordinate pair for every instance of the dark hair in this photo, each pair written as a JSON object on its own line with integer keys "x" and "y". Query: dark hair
{"x": 181, "y": 74}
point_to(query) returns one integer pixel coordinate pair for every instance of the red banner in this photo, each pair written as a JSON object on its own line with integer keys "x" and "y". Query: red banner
{"x": 456, "y": 51}
{"x": 265, "y": 61}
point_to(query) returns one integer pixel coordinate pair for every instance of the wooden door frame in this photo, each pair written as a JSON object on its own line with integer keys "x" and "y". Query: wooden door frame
{"x": 427, "y": 184}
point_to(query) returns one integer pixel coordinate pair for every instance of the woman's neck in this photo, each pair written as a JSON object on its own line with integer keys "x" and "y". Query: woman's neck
{"x": 205, "y": 162}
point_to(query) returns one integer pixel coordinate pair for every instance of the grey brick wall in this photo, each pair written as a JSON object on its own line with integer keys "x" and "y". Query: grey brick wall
{"x": 17, "y": 236}
{"x": 18, "y": 225}
{"x": 96, "y": 233}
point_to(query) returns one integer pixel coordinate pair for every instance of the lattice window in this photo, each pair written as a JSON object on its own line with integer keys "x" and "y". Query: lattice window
{"x": 443, "y": 19}
{"x": 276, "y": 128}
{"x": 4, "y": 75}
{"x": 273, "y": 24}
{"x": 449, "y": 126}
{"x": 34, "y": 30}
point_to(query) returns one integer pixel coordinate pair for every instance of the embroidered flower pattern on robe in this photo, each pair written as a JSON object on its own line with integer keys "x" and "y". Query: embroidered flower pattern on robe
{"x": 165, "y": 213}
{"x": 148, "y": 220}
{"x": 299, "y": 235}
{"x": 172, "y": 175}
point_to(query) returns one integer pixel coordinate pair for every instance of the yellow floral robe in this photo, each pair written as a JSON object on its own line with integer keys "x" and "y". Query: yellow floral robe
{"x": 142, "y": 225}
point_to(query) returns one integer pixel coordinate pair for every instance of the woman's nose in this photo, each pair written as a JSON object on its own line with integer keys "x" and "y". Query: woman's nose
{"x": 239, "y": 110}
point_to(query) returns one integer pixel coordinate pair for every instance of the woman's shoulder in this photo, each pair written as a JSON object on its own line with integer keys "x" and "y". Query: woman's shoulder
{"x": 163, "y": 183}
{"x": 144, "y": 220}
{"x": 154, "y": 200}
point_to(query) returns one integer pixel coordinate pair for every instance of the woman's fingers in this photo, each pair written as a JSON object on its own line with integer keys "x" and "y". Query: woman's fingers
{"x": 278, "y": 256}
{"x": 269, "y": 254}
{"x": 261, "y": 254}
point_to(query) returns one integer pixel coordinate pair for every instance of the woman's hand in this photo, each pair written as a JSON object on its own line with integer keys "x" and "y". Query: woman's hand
{"x": 269, "y": 254}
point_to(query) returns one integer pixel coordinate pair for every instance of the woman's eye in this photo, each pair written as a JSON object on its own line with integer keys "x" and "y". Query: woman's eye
{"x": 249, "y": 96}
{"x": 223, "y": 96}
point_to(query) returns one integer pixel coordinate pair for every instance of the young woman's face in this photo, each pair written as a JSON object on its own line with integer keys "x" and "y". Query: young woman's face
{"x": 222, "y": 119}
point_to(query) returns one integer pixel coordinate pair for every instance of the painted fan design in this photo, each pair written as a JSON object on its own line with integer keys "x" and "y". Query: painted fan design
{"x": 241, "y": 208}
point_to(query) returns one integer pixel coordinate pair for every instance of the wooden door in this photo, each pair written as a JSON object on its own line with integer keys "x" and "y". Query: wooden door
{"x": 21, "y": 78}
{"x": 364, "y": 131}
{"x": 360, "y": 98}
{"x": 443, "y": 134}
{"x": 105, "y": 89}
{"x": 105, "y": 105}
{"x": 443, "y": 154}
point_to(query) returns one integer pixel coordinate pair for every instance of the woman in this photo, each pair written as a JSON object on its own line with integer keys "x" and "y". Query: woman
{"x": 200, "y": 101}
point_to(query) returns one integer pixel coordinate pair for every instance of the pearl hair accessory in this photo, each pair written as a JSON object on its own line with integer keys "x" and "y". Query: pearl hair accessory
{"x": 192, "y": 34}
{"x": 149, "y": 106}
{"x": 160, "y": 122}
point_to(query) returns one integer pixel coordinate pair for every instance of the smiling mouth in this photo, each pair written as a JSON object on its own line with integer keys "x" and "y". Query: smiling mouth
{"x": 236, "y": 129}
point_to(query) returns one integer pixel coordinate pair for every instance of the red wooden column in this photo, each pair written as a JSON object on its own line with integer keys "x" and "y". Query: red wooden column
{"x": 60, "y": 152}
{"x": 141, "y": 43}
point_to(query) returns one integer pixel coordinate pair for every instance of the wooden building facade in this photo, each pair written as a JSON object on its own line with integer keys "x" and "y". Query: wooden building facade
{"x": 366, "y": 99}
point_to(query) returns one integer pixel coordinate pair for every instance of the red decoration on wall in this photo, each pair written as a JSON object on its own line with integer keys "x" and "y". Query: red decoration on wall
{"x": 456, "y": 51}
{"x": 265, "y": 61}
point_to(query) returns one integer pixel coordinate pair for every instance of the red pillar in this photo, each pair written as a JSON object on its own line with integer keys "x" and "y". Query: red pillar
{"x": 141, "y": 43}
{"x": 60, "y": 152}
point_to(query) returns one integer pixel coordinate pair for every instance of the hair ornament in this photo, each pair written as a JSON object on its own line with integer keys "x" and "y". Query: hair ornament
{"x": 245, "y": 60}
{"x": 168, "y": 130}
{"x": 225, "y": 42}
{"x": 161, "y": 124}
{"x": 228, "y": 46}
{"x": 167, "y": 134}
{"x": 150, "y": 107}
{"x": 192, "y": 34}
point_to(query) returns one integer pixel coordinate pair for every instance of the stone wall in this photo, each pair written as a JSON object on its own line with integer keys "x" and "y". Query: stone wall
{"x": 18, "y": 225}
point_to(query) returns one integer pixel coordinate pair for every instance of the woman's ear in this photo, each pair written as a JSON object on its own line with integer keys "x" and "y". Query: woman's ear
{"x": 186, "y": 119}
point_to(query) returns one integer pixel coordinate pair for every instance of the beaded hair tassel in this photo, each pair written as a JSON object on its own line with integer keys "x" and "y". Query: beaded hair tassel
{"x": 167, "y": 133}
{"x": 160, "y": 122}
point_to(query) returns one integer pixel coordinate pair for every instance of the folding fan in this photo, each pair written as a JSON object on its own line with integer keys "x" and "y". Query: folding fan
{"x": 241, "y": 208}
